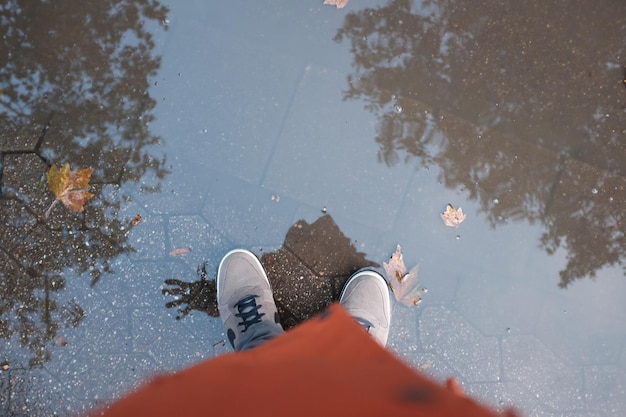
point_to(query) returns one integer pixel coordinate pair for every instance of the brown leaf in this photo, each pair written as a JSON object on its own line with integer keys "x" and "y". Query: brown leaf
{"x": 59, "y": 340}
{"x": 136, "y": 220}
{"x": 403, "y": 284}
{"x": 180, "y": 251}
{"x": 452, "y": 217}
{"x": 339, "y": 3}
{"x": 69, "y": 186}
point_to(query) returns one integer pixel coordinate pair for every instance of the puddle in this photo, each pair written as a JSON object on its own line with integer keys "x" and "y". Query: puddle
{"x": 320, "y": 138}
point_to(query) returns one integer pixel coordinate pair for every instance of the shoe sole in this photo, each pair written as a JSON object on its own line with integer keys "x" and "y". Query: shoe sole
{"x": 242, "y": 251}
{"x": 369, "y": 272}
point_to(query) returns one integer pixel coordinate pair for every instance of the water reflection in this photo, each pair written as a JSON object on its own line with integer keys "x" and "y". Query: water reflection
{"x": 307, "y": 273}
{"x": 521, "y": 105}
{"x": 73, "y": 88}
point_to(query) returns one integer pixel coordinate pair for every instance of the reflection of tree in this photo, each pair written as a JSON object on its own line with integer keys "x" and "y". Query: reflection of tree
{"x": 307, "y": 273}
{"x": 73, "y": 88}
{"x": 521, "y": 97}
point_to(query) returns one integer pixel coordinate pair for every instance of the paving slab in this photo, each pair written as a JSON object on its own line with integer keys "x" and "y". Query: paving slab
{"x": 473, "y": 356}
{"x": 193, "y": 241}
{"x": 248, "y": 214}
{"x": 526, "y": 360}
{"x": 225, "y": 116}
{"x": 604, "y": 388}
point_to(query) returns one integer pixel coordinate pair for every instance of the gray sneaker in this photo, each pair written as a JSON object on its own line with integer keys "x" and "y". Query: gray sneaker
{"x": 245, "y": 300}
{"x": 366, "y": 298}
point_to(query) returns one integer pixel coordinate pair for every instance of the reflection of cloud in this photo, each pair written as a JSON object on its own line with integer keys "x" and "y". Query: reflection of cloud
{"x": 513, "y": 106}
{"x": 307, "y": 273}
{"x": 73, "y": 89}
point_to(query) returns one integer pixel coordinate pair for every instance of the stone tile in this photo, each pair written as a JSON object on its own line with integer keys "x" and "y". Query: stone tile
{"x": 403, "y": 336}
{"x": 605, "y": 389}
{"x": 505, "y": 395}
{"x": 169, "y": 342}
{"x": 14, "y": 388}
{"x": 113, "y": 211}
{"x": 5, "y": 384}
{"x": 181, "y": 191}
{"x": 336, "y": 176}
{"x": 580, "y": 332}
{"x": 433, "y": 366}
{"x": 105, "y": 329}
{"x": 526, "y": 360}
{"x": 205, "y": 242}
{"x": 225, "y": 116}
{"x": 474, "y": 357}
{"x": 517, "y": 303}
{"x": 97, "y": 377}
{"x": 34, "y": 392}
{"x": 22, "y": 174}
{"x": 248, "y": 214}
{"x": 314, "y": 40}
{"x": 22, "y": 137}
{"x": 148, "y": 238}
{"x": 139, "y": 285}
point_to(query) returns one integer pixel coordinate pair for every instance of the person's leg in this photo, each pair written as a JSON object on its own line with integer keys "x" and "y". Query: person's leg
{"x": 245, "y": 301}
{"x": 365, "y": 296}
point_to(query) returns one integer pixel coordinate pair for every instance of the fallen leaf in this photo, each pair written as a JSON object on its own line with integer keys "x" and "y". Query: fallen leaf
{"x": 136, "y": 220}
{"x": 339, "y": 3}
{"x": 180, "y": 251}
{"x": 403, "y": 284}
{"x": 453, "y": 217}
{"x": 59, "y": 340}
{"x": 69, "y": 186}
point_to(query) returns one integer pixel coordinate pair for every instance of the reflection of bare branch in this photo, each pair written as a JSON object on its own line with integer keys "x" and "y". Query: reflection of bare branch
{"x": 89, "y": 65}
{"x": 512, "y": 119}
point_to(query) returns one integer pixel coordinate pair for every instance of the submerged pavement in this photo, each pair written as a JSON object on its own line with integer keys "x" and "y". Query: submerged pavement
{"x": 320, "y": 139}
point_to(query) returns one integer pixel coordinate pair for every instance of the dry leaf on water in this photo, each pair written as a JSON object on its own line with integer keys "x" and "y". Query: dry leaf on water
{"x": 403, "y": 284}
{"x": 59, "y": 340}
{"x": 69, "y": 186}
{"x": 452, "y": 217}
{"x": 180, "y": 251}
{"x": 339, "y": 3}
{"x": 136, "y": 220}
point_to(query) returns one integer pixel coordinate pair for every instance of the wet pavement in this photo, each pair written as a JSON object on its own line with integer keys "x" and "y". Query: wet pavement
{"x": 320, "y": 138}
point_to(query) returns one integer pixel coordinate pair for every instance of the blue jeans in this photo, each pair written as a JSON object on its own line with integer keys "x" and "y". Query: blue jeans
{"x": 259, "y": 333}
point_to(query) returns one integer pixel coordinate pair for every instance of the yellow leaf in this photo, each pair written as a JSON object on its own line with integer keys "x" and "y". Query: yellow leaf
{"x": 69, "y": 186}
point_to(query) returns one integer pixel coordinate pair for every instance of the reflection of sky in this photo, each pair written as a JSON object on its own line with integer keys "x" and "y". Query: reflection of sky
{"x": 249, "y": 107}
{"x": 21, "y": 108}
{"x": 282, "y": 127}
